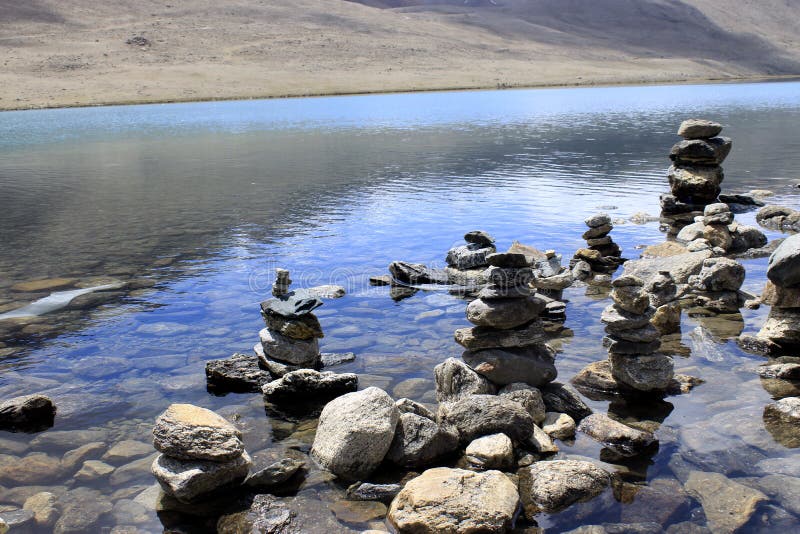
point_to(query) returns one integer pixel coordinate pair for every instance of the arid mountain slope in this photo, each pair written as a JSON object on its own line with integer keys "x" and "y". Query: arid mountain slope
{"x": 74, "y": 52}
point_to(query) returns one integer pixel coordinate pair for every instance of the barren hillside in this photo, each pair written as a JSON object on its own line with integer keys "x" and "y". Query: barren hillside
{"x": 74, "y": 52}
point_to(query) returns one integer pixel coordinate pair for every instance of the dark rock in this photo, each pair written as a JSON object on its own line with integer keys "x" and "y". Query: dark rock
{"x": 29, "y": 412}
{"x": 598, "y": 220}
{"x": 366, "y": 491}
{"x": 304, "y": 327}
{"x": 529, "y": 397}
{"x": 275, "y": 474}
{"x": 745, "y": 200}
{"x": 329, "y": 359}
{"x": 620, "y": 346}
{"x": 479, "y": 237}
{"x": 417, "y": 273}
{"x": 381, "y": 280}
{"x": 418, "y": 441}
{"x": 699, "y": 129}
{"x": 695, "y": 185}
{"x": 534, "y": 365}
{"x": 239, "y": 373}
{"x": 653, "y": 372}
{"x": 597, "y": 232}
{"x": 507, "y": 259}
{"x": 481, "y": 415}
{"x": 266, "y": 514}
{"x": 481, "y": 337}
{"x": 292, "y": 305}
{"x": 563, "y": 398}
{"x": 509, "y": 276}
{"x": 671, "y": 205}
{"x": 305, "y": 384}
{"x": 711, "y": 151}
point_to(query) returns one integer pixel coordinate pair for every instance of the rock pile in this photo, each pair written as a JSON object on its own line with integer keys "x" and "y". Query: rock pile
{"x": 507, "y": 344}
{"x": 290, "y": 339}
{"x": 717, "y": 286}
{"x": 716, "y": 230}
{"x": 602, "y": 254}
{"x": 201, "y": 453}
{"x": 696, "y": 173}
{"x": 632, "y": 341}
{"x": 781, "y": 331}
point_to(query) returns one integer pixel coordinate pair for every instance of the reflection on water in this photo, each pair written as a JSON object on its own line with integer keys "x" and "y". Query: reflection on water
{"x": 203, "y": 200}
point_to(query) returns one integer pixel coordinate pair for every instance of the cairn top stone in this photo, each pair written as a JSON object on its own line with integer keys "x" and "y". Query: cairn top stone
{"x": 507, "y": 259}
{"x": 628, "y": 281}
{"x": 294, "y": 304}
{"x": 600, "y": 219}
{"x": 784, "y": 263}
{"x": 699, "y": 129}
{"x": 479, "y": 237}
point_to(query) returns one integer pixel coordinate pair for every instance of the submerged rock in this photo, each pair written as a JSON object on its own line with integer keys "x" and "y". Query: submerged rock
{"x": 782, "y": 420}
{"x": 728, "y": 505}
{"x": 480, "y": 415}
{"x": 455, "y": 500}
{"x": 552, "y": 486}
{"x": 618, "y": 437}
{"x": 355, "y": 432}
{"x": 27, "y": 412}
{"x": 190, "y": 432}
{"x": 534, "y": 365}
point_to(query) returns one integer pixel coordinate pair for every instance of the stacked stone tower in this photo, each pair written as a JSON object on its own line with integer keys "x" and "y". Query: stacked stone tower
{"x": 602, "y": 254}
{"x": 632, "y": 341}
{"x": 507, "y": 344}
{"x": 696, "y": 174}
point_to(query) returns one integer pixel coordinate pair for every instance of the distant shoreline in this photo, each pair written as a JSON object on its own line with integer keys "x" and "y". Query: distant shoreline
{"x": 410, "y": 90}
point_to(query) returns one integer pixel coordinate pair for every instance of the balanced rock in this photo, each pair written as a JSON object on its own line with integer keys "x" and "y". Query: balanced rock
{"x": 481, "y": 337}
{"x": 291, "y": 305}
{"x": 709, "y": 152}
{"x": 479, "y": 237}
{"x": 699, "y": 129}
{"x": 697, "y": 185}
{"x": 189, "y": 432}
{"x": 455, "y": 380}
{"x": 304, "y": 327}
{"x": 455, "y": 500}
{"x": 505, "y": 313}
{"x": 293, "y": 351}
{"x": 355, "y": 432}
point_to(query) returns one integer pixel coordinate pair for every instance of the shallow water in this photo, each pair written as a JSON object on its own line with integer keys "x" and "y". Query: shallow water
{"x": 204, "y": 200}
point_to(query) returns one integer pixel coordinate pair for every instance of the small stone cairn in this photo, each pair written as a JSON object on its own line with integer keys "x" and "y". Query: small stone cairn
{"x": 507, "y": 345}
{"x": 696, "y": 173}
{"x": 781, "y": 331}
{"x": 602, "y": 254}
{"x": 201, "y": 453}
{"x": 716, "y": 230}
{"x": 632, "y": 341}
{"x": 290, "y": 339}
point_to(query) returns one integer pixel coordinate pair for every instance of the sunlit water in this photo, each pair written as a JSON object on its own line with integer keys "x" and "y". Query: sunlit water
{"x": 204, "y": 200}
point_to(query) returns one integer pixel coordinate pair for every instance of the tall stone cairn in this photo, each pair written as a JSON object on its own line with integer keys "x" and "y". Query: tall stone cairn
{"x": 290, "y": 339}
{"x": 695, "y": 176}
{"x": 507, "y": 344}
{"x": 782, "y": 327}
{"x": 632, "y": 341}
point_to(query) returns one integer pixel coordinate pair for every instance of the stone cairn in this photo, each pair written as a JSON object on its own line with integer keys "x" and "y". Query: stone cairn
{"x": 632, "y": 341}
{"x": 602, "y": 255}
{"x": 507, "y": 345}
{"x": 716, "y": 230}
{"x": 290, "y": 339}
{"x": 201, "y": 453}
{"x": 696, "y": 173}
{"x": 781, "y": 331}
{"x": 663, "y": 294}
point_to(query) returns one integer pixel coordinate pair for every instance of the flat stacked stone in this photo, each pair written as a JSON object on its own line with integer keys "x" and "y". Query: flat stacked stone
{"x": 201, "y": 453}
{"x": 663, "y": 293}
{"x": 473, "y": 254}
{"x": 602, "y": 254}
{"x": 696, "y": 175}
{"x": 782, "y": 327}
{"x": 632, "y": 341}
{"x": 507, "y": 343}
{"x": 290, "y": 339}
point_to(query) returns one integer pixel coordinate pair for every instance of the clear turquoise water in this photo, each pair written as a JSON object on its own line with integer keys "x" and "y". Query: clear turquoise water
{"x": 206, "y": 199}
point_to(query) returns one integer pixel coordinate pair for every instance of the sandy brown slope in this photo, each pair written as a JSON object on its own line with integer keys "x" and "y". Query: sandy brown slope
{"x": 73, "y": 52}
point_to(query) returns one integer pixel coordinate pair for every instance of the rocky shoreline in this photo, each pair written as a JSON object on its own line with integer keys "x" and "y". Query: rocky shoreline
{"x": 488, "y": 455}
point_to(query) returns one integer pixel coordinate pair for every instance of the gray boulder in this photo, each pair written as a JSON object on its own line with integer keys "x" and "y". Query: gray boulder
{"x": 552, "y": 486}
{"x": 528, "y": 396}
{"x": 469, "y": 256}
{"x": 695, "y": 184}
{"x": 481, "y": 337}
{"x": 718, "y": 274}
{"x": 355, "y": 432}
{"x": 303, "y": 352}
{"x": 455, "y": 380}
{"x": 266, "y": 514}
{"x": 190, "y": 432}
{"x": 419, "y": 441}
{"x": 307, "y": 384}
{"x": 239, "y": 373}
{"x": 618, "y": 437}
{"x": 490, "y": 452}
{"x": 711, "y": 151}
{"x": 784, "y": 264}
{"x": 506, "y": 313}
{"x": 481, "y": 415}
{"x": 189, "y": 480}
{"x": 652, "y": 372}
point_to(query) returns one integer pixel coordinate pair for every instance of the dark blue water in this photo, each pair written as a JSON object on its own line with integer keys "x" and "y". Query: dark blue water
{"x": 204, "y": 200}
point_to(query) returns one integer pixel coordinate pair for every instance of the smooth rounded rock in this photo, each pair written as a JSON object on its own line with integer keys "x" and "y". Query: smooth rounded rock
{"x": 491, "y": 452}
{"x": 480, "y": 415}
{"x": 699, "y": 129}
{"x": 189, "y": 480}
{"x": 503, "y": 314}
{"x": 552, "y": 486}
{"x": 418, "y": 441}
{"x": 190, "y": 432}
